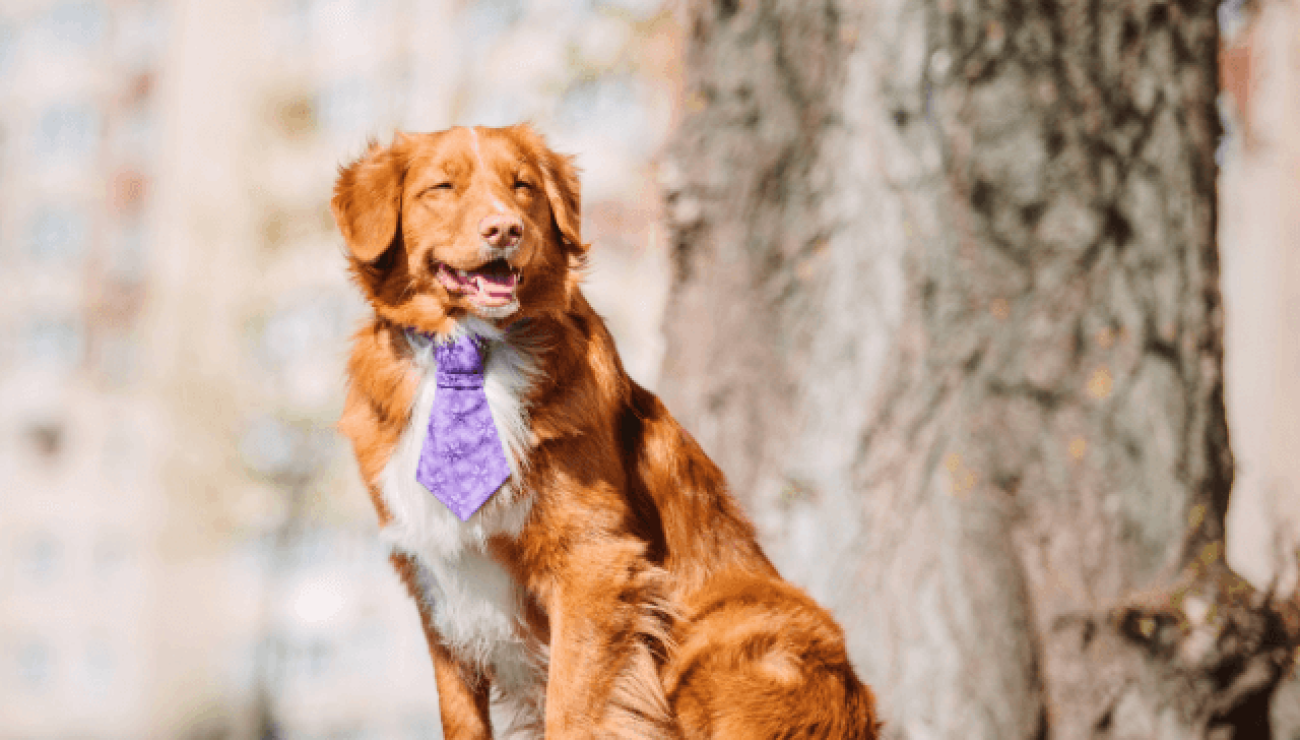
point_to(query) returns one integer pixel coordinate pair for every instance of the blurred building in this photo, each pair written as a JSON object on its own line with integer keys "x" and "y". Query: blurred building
{"x": 185, "y": 550}
{"x": 1259, "y": 240}
{"x": 1260, "y": 244}
{"x": 79, "y": 456}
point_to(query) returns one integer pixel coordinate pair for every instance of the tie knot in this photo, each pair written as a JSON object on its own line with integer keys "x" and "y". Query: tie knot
{"x": 460, "y": 363}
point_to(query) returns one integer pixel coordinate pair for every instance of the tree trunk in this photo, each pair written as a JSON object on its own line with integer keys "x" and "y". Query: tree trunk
{"x": 946, "y": 310}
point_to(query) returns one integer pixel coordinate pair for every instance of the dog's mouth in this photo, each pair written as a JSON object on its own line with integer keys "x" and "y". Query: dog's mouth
{"x": 490, "y": 285}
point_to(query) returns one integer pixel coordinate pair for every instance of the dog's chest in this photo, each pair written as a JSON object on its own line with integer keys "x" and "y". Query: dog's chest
{"x": 474, "y": 603}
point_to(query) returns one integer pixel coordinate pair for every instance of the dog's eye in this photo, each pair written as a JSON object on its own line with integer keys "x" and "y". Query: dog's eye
{"x": 440, "y": 187}
{"x": 523, "y": 186}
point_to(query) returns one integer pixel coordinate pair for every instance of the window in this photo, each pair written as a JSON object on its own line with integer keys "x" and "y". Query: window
{"x": 270, "y": 447}
{"x": 8, "y": 42}
{"x": 99, "y": 665}
{"x": 141, "y": 33}
{"x": 78, "y": 23}
{"x": 306, "y": 324}
{"x": 56, "y": 344}
{"x": 34, "y": 664}
{"x": 317, "y": 658}
{"x": 347, "y": 107}
{"x": 295, "y": 343}
{"x": 39, "y": 559}
{"x": 128, "y": 254}
{"x": 297, "y": 20}
{"x": 301, "y": 661}
{"x": 122, "y": 456}
{"x": 369, "y": 649}
{"x": 136, "y": 137}
{"x": 311, "y": 549}
{"x": 489, "y": 18}
{"x": 110, "y": 555}
{"x": 58, "y": 233}
{"x": 609, "y": 104}
{"x": 68, "y": 130}
{"x": 118, "y": 358}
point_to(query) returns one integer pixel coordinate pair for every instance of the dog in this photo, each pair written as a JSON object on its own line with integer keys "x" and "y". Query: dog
{"x": 610, "y": 587}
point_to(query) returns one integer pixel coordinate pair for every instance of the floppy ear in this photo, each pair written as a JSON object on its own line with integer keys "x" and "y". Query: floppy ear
{"x": 367, "y": 200}
{"x": 563, "y": 191}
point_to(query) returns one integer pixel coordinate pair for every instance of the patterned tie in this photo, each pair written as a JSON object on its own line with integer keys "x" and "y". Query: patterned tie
{"x": 462, "y": 461}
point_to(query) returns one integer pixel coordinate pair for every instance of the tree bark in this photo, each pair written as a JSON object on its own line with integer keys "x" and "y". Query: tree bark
{"x": 946, "y": 310}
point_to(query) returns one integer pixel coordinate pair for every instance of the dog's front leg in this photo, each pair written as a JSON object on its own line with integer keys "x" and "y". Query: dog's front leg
{"x": 462, "y": 699}
{"x": 606, "y": 618}
{"x": 463, "y": 693}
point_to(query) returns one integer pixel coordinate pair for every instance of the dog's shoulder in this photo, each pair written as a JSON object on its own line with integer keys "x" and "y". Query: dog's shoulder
{"x": 381, "y": 392}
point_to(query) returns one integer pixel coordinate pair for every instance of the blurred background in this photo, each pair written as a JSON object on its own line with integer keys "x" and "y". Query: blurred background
{"x": 185, "y": 548}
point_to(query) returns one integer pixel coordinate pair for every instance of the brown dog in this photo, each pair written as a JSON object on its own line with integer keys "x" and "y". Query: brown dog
{"x": 611, "y": 587}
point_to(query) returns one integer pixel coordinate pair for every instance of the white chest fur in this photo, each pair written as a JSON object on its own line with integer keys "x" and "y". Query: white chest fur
{"x": 474, "y": 603}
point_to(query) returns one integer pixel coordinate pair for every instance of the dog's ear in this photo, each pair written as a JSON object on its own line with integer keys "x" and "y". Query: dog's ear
{"x": 560, "y": 182}
{"x": 563, "y": 191}
{"x": 367, "y": 201}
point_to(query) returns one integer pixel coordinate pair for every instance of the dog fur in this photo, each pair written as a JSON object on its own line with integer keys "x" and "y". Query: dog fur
{"x": 612, "y": 588}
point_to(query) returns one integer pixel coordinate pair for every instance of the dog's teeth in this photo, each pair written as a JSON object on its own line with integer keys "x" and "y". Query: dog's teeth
{"x": 461, "y": 273}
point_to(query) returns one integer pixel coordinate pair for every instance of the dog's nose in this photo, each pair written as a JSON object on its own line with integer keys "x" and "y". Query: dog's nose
{"x": 501, "y": 231}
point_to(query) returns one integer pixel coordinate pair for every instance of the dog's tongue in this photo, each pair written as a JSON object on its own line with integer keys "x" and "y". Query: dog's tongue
{"x": 492, "y": 284}
{"x": 495, "y": 279}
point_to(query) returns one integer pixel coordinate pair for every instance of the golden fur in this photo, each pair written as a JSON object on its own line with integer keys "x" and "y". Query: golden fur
{"x": 661, "y": 615}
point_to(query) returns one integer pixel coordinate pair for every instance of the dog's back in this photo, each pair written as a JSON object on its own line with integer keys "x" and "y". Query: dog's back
{"x": 755, "y": 657}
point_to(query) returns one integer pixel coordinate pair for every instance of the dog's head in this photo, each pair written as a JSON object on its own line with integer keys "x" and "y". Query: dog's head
{"x": 470, "y": 220}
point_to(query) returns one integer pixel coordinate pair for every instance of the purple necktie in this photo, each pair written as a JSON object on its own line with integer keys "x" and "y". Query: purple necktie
{"x": 462, "y": 461}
